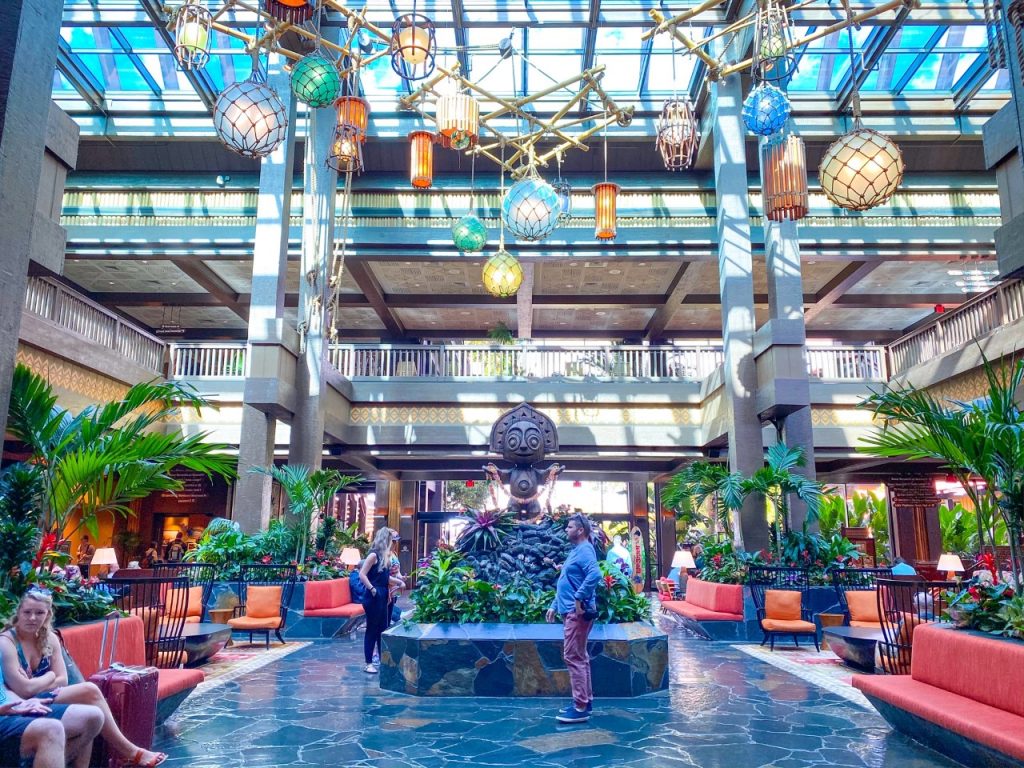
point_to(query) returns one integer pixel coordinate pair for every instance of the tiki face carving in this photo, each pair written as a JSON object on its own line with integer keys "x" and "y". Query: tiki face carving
{"x": 524, "y": 443}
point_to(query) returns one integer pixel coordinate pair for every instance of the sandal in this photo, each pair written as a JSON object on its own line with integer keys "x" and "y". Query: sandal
{"x": 158, "y": 757}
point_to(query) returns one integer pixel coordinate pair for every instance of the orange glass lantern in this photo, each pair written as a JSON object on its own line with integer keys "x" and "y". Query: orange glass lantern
{"x": 353, "y": 112}
{"x": 605, "y": 195}
{"x": 291, "y": 11}
{"x": 784, "y": 170}
{"x": 421, "y": 159}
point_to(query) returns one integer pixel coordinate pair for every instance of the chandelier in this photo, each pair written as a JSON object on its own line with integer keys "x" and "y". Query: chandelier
{"x": 784, "y": 178}
{"x": 249, "y": 117}
{"x": 192, "y": 27}
{"x": 678, "y": 134}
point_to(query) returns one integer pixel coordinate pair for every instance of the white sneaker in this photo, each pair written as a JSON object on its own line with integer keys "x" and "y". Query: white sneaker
{"x": 371, "y": 669}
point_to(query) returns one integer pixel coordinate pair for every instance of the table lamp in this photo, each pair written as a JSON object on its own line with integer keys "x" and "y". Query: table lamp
{"x": 950, "y": 563}
{"x": 682, "y": 560}
{"x": 350, "y": 556}
{"x": 105, "y": 556}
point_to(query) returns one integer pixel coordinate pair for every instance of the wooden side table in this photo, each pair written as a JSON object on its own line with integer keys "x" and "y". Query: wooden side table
{"x": 221, "y": 616}
{"x": 829, "y": 620}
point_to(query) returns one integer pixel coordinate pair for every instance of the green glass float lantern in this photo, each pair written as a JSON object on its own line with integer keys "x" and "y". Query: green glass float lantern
{"x": 315, "y": 81}
{"x": 469, "y": 234}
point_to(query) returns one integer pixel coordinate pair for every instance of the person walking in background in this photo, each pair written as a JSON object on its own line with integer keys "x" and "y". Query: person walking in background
{"x": 85, "y": 554}
{"x": 576, "y": 602}
{"x": 152, "y": 556}
{"x": 375, "y": 575}
{"x": 176, "y": 550}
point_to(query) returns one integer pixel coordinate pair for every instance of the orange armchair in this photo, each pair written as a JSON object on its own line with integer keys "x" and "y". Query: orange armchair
{"x": 264, "y": 592}
{"x": 778, "y": 595}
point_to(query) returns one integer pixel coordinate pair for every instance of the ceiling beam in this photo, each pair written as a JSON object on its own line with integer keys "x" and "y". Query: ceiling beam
{"x": 81, "y": 79}
{"x": 839, "y": 285}
{"x": 459, "y": 27}
{"x": 663, "y": 315}
{"x": 971, "y": 82}
{"x": 371, "y": 289}
{"x": 919, "y": 59}
{"x": 900, "y": 301}
{"x": 201, "y": 82}
{"x": 589, "y": 46}
{"x": 874, "y": 47}
{"x": 212, "y": 283}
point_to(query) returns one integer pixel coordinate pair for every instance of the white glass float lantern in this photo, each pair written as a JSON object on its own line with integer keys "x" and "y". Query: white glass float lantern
{"x": 250, "y": 118}
{"x": 861, "y": 169}
{"x": 413, "y": 46}
{"x": 531, "y": 209}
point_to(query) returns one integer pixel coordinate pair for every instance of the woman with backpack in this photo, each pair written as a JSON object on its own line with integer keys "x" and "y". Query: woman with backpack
{"x": 375, "y": 575}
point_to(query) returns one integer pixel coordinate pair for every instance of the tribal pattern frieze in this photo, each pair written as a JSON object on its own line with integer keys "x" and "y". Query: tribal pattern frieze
{"x": 74, "y": 385}
{"x": 842, "y": 417}
{"x": 485, "y": 415}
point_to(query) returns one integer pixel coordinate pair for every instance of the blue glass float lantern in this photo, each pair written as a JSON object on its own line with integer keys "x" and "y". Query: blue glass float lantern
{"x": 469, "y": 234}
{"x": 531, "y": 209}
{"x": 315, "y": 81}
{"x": 564, "y": 192}
{"x": 765, "y": 110}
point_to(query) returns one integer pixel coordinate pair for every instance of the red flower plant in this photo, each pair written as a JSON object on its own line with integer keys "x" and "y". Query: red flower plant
{"x": 45, "y": 547}
{"x": 609, "y": 580}
{"x": 267, "y": 559}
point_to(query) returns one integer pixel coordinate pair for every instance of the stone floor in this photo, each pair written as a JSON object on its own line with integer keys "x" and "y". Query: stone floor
{"x": 316, "y": 707}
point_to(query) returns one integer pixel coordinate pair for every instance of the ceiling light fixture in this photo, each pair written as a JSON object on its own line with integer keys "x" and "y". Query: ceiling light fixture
{"x": 193, "y": 24}
{"x": 413, "y": 46}
{"x": 249, "y": 117}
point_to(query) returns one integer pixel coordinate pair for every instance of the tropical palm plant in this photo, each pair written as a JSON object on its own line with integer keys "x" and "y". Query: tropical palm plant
{"x": 108, "y": 455}
{"x": 982, "y": 438}
{"x": 309, "y": 493}
{"x": 687, "y": 491}
{"x": 955, "y": 527}
{"x": 831, "y": 515}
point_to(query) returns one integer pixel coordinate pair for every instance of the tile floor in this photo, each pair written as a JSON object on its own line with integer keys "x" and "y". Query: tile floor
{"x": 725, "y": 708}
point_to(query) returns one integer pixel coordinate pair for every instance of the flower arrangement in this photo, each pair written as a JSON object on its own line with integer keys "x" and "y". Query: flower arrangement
{"x": 987, "y": 604}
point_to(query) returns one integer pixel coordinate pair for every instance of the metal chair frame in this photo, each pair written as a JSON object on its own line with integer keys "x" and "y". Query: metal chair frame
{"x": 900, "y": 601}
{"x": 857, "y": 579}
{"x": 165, "y": 647}
{"x": 198, "y": 574}
{"x": 266, "y": 575}
{"x": 760, "y": 579}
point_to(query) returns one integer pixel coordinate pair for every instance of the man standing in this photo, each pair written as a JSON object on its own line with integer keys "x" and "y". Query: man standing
{"x": 576, "y": 602}
{"x": 85, "y": 554}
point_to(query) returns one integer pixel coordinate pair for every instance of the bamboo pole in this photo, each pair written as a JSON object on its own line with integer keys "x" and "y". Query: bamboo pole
{"x": 692, "y": 46}
{"x": 707, "y": 5}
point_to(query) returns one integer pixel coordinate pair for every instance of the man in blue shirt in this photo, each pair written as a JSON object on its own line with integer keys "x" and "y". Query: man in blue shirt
{"x": 576, "y": 602}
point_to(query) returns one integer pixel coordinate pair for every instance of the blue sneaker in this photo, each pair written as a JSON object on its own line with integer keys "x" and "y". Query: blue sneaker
{"x": 572, "y": 715}
{"x": 590, "y": 706}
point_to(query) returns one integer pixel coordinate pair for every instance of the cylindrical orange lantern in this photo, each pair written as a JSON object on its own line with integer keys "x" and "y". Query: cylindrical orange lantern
{"x": 354, "y": 112}
{"x": 784, "y": 170}
{"x": 421, "y": 159}
{"x": 604, "y": 210}
{"x": 290, "y": 11}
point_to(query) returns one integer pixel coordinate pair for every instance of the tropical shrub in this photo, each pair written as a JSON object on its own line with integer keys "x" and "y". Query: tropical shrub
{"x": 485, "y": 529}
{"x": 722, "y": 563}
{"x": 994, "y": 607}
{"x": 831, "y": 515}
{"x": 955, "y": 524}
{"x": 688, "y": 491}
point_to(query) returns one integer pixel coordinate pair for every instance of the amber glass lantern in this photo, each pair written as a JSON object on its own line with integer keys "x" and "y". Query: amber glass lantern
{"x": 346, "y": 153}
{"x": 291, "y": 11}
{"x": 503, "y": 274}
{"x": 458, "y": 119}
{"x": 354, "y": 112}
{"x": 421, "y": 159}
{"x": 784, "y": 184}
{"x": 605, "y": 195}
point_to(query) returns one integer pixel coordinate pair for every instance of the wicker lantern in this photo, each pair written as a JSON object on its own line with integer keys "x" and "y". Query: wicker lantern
{"x": 413, "y": 46}
{"x": 765, "y": 110}
{"x": 458, "y": 119}
{"x": 605, "y": 195}
{"x": 353, "y": 112}
{"x": 861, "y": 169}
{"x": 249, "y": 117}
{"x": 421, "y": 159}
{"x": 290, "y": 11}
{"x": 784, "y": 179}
{"x": 315, "y": 80}
{"x": 503, "y": 274}
{"x": 531, "y": 209}
{"x": 192, "y": 26}
{"x": 469, "y": 234}
{"x": 678, "y": 134}
{"x": 774, "y": 60}
{"x": 346, "y": 153}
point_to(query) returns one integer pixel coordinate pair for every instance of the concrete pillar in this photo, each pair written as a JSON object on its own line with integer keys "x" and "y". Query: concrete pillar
{"x": 786, "y": 334}
{"x": 736, "y": 286}
{"x": 307, "y": 437}
{"x": 29, "y": 30}
{"x": 251, "y": 504}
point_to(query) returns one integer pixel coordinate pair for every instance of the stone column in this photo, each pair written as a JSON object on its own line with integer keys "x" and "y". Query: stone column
{"x": 29, "y": 30}
{"x": 786, "y": 334}
{"x": 251, "y": 504}
{"x": 736, "y": 286}
{"x": 307, "y": 437}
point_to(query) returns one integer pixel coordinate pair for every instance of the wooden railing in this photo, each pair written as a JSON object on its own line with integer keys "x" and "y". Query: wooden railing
{"x": 216, "y": 360}
{"x": 73, "y": 312}
{"x": 865, "y": 363}
{"x": 950, "y": 330}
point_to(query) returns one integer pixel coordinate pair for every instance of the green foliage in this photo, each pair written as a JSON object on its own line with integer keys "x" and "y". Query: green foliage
{"x": 722, "y": 563}
{"x": 994, "y": 608}
{"x": 20, "y": 489}
{"x": 617, "y": 601}
{"x": 224, "y": 544}
{"x": 955, "y": 523}
{"x": 687, "y": 491}
{"x": 351, "y": 537}
{"x": 501, "y": 334}
{"x": 1012, "y": 613}
{"x": 108, "y": 455}
{"x": 831, "y": 515}
{"x": 485, "y": 529}
{"x": 458, "y": 496}
{"x": 872, "y": 511}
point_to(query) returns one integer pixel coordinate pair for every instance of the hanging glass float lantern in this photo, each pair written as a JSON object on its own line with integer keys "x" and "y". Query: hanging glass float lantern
{"x": 315, "y": 80}
{"x": 458, "y": 119}
{"x": 346, "y": 152}
{"x": 564, "y": 192}
{"x": 192, "y": 27}
{"x": 765, "y": 110}
{"x": 290, "y": 11}
{"x": 861, "y": 169}
{"x": 678, "y": 134}
{"x": 774, "y": 60}
{"x": 503, "y": 274}
{"x": 784, "y": 178}
{"x": 605, "y": 195}
{"x": 249, "y": 117}
{"x": 469, "y": 234}
{"x": 531, "y": 209}
{"x": 413, "y": 46}
{"x": 421, "y": 159}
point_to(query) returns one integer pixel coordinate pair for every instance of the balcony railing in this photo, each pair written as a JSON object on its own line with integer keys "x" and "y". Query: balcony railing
{"x": 971, "y": 320}
{"x": 217, "y": 360}
{"x": 847, "y": 363}
{"x": 71, "y": 311}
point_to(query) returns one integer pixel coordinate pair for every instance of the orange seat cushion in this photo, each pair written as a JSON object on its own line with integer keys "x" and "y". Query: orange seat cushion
{"x": 908, "y": 625}
{"x": 788, "y": 625}
{"x": 252, "y": 622}
{"x": 782, "y": 604}
{"x": 338, "y": 611}
{"x": 697, "y": 613}
{"x": 193, "y": 603}
{"x": 720, "y": 598}
{"x": 325, "y": 595}
{"x": 263, "y": 602}
{"x": 992, "y": 726}
{"x": 863, "y": 606}
{"x": 866, "y": 624}
{"x": 172, "y": 681}
{"x": 193, "y": 620}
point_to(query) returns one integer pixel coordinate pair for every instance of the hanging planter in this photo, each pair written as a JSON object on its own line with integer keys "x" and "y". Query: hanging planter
{"x": 249, "y": 117}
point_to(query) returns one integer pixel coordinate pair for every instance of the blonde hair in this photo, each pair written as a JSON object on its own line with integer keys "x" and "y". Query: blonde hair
{"x": 381, "y": 547}
{"x": 42, "y": 637}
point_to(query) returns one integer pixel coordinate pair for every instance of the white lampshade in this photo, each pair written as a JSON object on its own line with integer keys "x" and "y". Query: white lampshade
{"x": 947, "y": 562}
{"x": 104, "y": 556}
{"x": 683, "y": 558}
{"x": 350, "y": 556}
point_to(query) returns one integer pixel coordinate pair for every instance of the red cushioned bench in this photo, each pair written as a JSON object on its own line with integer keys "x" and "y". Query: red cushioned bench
{"x": 330, "y": 599}
{"x": 83, "y": 643}
{"x": 707, "y": 601}
{"x": 962, "y": 697}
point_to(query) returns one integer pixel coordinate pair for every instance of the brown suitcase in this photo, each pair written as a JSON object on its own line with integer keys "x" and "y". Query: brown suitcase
{"x": 131, "y": 693}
